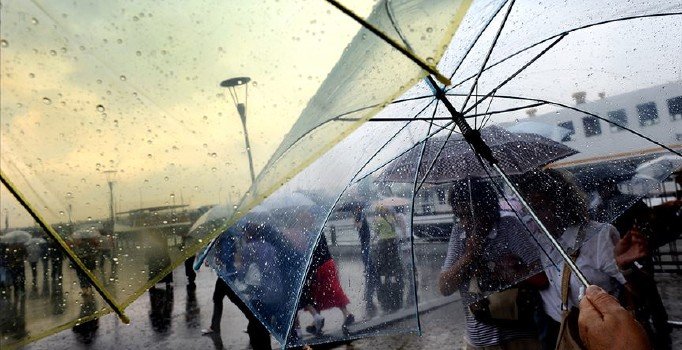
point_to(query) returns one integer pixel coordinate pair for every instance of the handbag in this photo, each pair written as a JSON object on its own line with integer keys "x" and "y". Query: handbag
{"x": 569, "y": 335}
{"x": 512, "y": 306}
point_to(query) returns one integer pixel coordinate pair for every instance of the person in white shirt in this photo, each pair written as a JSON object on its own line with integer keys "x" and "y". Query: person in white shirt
{"x": 562, "y": 207}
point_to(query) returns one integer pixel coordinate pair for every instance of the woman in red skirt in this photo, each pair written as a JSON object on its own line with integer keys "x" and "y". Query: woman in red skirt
{"x": 322, "y": 289}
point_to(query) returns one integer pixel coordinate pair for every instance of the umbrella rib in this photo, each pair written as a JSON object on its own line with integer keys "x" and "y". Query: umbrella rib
{"x": 487, "y": 113}
{"x": 490, "y": 51}
{"x": 69, "y": 253}
{"x": 503, "y": 83}
{"x": 414, "y": 194}
{"x": 355, "y": 179}
{"x": 473, "y": 43}
{"x": 563, "y": 33}
{"x": 440, "y": 128}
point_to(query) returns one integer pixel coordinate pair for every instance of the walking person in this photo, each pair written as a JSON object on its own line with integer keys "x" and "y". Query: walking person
{"x": 322, "y": 289}
{"x": 370, "y": 274}
{"x": 259, "y": 337}
{"x": 487, "y": 252}
{"x": 593, "y": 245}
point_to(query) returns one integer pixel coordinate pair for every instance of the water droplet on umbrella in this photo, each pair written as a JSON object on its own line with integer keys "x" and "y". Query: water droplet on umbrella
{"x": 139, "y": 53}
{"x": 34, "y": 20}
{"x": 31, "y": 75}
{"x": 53, "y": 52}
{"x": 4, "y": 43}
{"x": 429, "y": 30}
{"x": 100, "y": 108}
{"x": 46, "y": 100}
{"x": 123, "y": 78}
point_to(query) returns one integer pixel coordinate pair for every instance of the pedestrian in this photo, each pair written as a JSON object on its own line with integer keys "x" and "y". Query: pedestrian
{"x": 487, "y": 252}
{"x": 322, "y": 289}
{"x": 34, "y": 254}
{"x": 370, "y": 274}
{"x": 562, "y": 207}
{"x": 388, "y": 262}
{"x": 259, "y": 337}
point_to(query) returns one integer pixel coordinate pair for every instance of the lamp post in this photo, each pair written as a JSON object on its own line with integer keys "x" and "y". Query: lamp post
{"x": 111, "y": 174}
{"x": 239, "y": 86}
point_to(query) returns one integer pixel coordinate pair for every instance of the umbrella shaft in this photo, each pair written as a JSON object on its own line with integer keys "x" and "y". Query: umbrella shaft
{"x": 567, "y": 259}
{"x": 473, "y": 137}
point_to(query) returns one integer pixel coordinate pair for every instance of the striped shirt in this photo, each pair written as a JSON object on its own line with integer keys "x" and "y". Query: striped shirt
{"x": 507, "y": 242}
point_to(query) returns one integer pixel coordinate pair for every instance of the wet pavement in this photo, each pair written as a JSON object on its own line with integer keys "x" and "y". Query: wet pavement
{"x": 170, "y": 317}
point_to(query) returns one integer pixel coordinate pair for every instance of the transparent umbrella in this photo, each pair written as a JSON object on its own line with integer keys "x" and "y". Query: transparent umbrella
{"x": 517, "y": 57}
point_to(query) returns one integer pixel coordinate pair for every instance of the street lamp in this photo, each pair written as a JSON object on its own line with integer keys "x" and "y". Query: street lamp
{"x": 111, "y": 174}
{"x": 239, "y": 86}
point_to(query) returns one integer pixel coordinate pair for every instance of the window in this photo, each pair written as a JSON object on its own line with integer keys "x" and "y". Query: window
{"x": 571, "y": 129}
{"x": 592, "y": 126}
{"x": 619, "y": 117}
{"x": 442, "y": 195}
{"x": 675, "y": 108}
{"x": 648, "y": 114}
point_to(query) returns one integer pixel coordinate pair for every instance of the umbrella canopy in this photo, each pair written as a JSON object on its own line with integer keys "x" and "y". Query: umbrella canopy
{"x": 16, "y": 237}
{"x": 195, "y": 108}
{"x": 453, "y": 158}
{"x": 36, "y": 240}
{"x": 554, "y": 132}
{"x": 660, "y": 167}
{"x": 524, "y": 56}
{"x": 86, "y": 233}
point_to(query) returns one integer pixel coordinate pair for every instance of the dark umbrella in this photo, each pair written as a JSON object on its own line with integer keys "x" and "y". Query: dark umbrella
{"x": 453, "y": 159}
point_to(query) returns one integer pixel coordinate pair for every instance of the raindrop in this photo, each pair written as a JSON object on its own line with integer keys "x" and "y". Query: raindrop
{"x": 4, "y": 43}
{"x": 53, "y": 52}
{"x": 100, "y": 108}
{"x": 214, "y": 169}
{"x": 135, "y": 18}
{"x": 46, "y": 100}
{"x": 123, "y": 78}
{"x": 139, "y": 53}
{"x": 120, "y": 41}
{"x": 99, "y": 81}
{"x": 165, "y": 178}
{"x": 430, "y": 60}
{"x": 429, "y": 30}
{"x": 213, "y": 155}
{"x": 34, "y": 20}
{"x": 31, "y": 75}
{"x": 149, "y": 155}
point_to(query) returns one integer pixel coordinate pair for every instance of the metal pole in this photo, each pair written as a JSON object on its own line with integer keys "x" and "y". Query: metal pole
{"x": 242, "y": 114}
{"x": 111, "y": 203}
